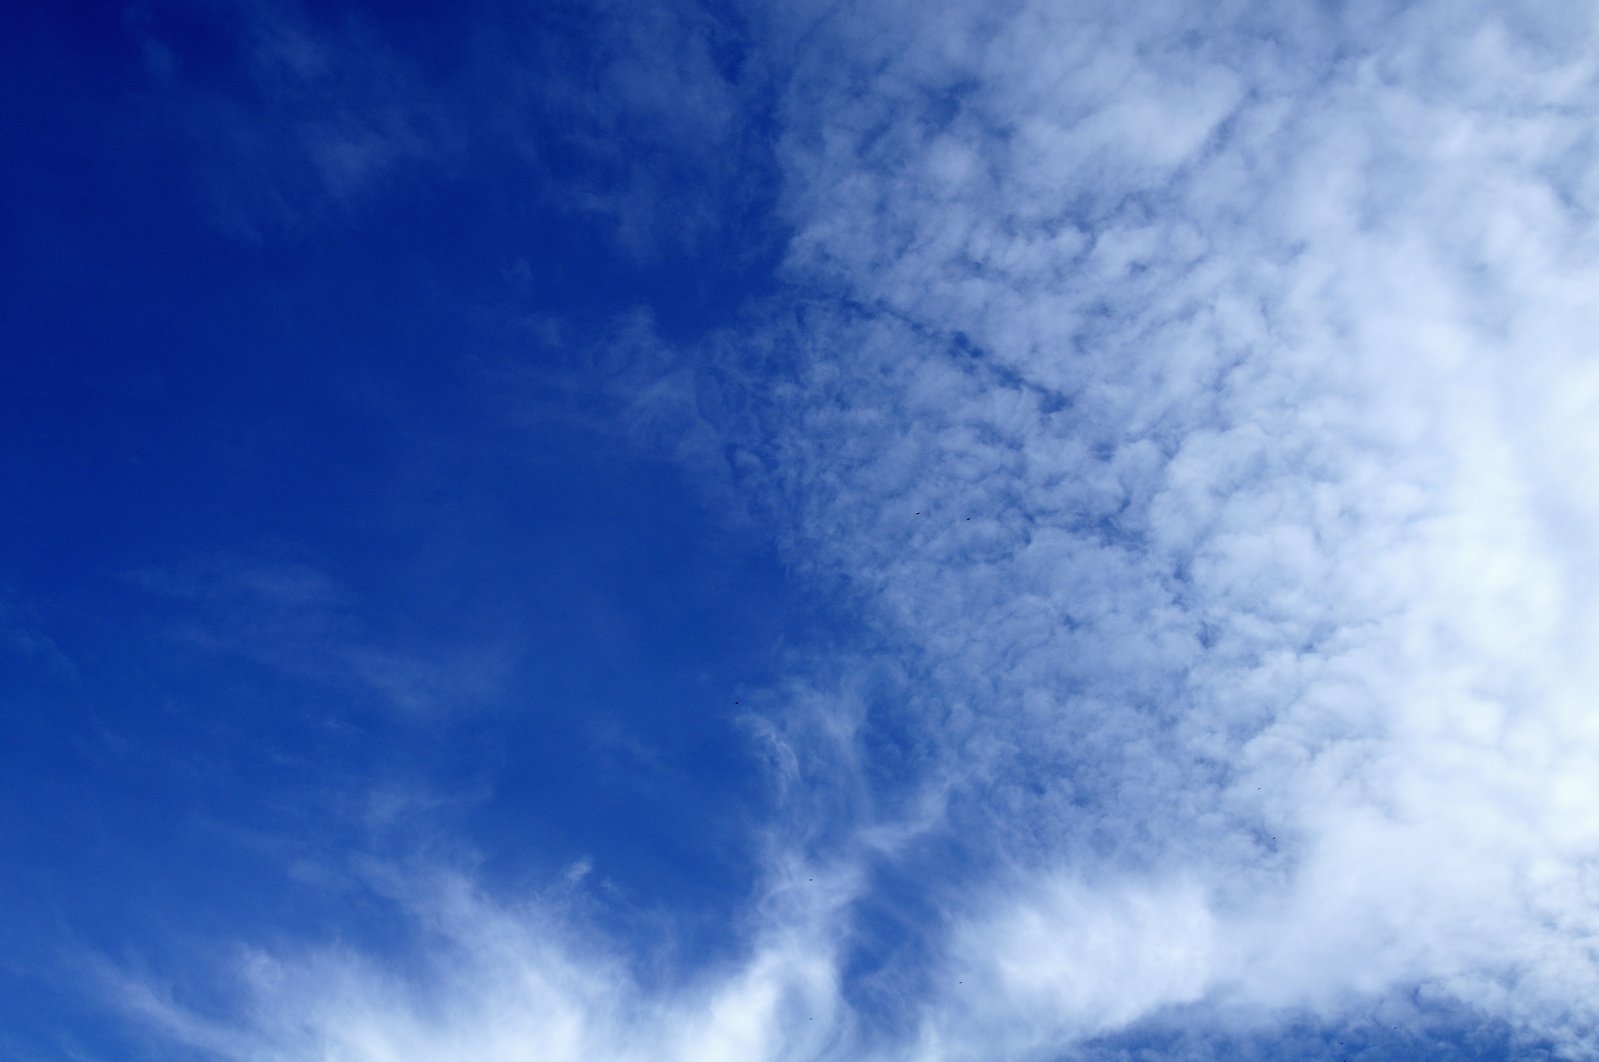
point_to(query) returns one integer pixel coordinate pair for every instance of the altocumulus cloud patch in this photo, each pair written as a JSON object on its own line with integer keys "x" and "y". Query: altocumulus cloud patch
{"x": 1195, "y": 408}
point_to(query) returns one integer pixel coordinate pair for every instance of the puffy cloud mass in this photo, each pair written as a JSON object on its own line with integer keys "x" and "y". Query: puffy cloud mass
{"x": 1200, "y": 400}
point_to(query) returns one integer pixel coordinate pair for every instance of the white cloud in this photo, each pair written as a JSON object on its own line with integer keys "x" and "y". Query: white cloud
{"x": 1271, "y": 445}
{"x": 514, "y": 982}
{"x": 1063, "y": 962}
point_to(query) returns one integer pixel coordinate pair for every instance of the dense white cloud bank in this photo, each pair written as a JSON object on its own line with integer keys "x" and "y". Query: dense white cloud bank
{"x": 1240, "y": 488}
{"x": 1205, "y": 406}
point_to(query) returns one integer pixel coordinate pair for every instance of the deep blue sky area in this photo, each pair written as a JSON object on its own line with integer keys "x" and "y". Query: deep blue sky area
{"x": 303, "y": 506}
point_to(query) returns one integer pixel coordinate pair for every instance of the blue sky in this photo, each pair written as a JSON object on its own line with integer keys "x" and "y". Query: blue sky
{"x": 891, "y": 531}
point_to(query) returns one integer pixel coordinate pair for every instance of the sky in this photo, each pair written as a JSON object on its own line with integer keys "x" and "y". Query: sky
{"x": 735, "y": 532}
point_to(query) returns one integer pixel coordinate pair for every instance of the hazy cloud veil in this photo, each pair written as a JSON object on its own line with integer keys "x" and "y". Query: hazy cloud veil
{"x": 1200, "y": 400}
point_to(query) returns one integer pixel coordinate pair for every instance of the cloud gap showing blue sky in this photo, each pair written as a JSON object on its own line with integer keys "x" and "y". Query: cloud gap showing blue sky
{"x": 671, "y": 530}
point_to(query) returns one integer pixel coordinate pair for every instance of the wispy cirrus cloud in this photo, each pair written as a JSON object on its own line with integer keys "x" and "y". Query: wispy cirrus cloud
{"x": 505, "y": 981}
{"x": 296, "y": 620}
{"x": 622, "y": 113}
